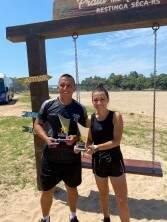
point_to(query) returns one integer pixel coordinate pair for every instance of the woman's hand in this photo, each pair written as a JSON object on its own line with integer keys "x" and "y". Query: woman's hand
{"x": 71, "y": 139}
{"x": 89, "y": 149}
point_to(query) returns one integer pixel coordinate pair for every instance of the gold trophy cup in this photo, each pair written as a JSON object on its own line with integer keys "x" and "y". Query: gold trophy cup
{"x": 62, "y": 136}
{"x": 83, "y": 137}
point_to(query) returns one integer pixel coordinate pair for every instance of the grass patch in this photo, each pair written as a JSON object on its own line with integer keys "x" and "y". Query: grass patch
{"x": 138, "y": 133}
{"x": 25, "y": 98}
{"x": 16, "y": 153}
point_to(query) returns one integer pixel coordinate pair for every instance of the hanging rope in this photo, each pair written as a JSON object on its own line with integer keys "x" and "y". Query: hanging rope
{"x": 75, "y": 36}
{"x": 155, "y": 28}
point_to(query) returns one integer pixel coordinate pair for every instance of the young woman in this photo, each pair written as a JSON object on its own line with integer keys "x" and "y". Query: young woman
{"x": 107, "y": 161}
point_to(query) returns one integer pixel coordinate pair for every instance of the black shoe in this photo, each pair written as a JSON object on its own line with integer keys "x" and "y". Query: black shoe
{"x": 74, "y": 219}
{"x": 106, "y": 219}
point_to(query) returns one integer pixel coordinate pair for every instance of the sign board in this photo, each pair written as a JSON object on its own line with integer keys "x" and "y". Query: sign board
{"x": 76, "y": 8}
{"x": 37, "y": 78}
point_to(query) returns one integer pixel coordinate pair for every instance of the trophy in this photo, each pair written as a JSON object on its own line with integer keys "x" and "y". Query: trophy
{"x": 62, "y": 136}
{"x": 83, "y": 137}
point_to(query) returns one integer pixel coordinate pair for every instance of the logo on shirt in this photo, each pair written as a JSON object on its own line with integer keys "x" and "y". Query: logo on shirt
{"x": 76, "y": 117}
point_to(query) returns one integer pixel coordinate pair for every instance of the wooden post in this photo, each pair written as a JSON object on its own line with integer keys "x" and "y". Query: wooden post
{"x": 39, "y": 91}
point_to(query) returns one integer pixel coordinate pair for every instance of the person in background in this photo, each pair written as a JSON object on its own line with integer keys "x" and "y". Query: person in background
{"x": 105, "y": 135}
{"x": 59, "y": 162}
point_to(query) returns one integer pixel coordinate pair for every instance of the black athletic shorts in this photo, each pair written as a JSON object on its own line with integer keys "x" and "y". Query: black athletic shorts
{"x": 52, "y": 173}
{"x": 108, "y": 163}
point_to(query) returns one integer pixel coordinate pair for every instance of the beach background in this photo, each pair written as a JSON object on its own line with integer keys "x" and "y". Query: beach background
{"x": 19, "y": 197}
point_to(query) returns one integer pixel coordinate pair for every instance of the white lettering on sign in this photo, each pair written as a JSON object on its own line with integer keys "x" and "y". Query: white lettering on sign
{"x": 128, "y": 5}
{"x": 137, "y": 4}
{"x": 115, "y": 1}
{"x": 112, "y": 8}
{"x": 90, "y": 3}
{"x": 104, "y": 6}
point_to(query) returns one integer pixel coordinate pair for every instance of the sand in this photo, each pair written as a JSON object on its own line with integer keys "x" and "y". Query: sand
{"x": 147, "y": 199}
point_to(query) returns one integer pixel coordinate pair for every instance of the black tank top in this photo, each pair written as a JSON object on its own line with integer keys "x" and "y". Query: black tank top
{"x": 102, "y": 131}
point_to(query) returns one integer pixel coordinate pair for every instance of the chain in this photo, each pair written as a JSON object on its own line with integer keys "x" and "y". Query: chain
{"x": 75, "y": 36}
{"x": 155, "y": 28}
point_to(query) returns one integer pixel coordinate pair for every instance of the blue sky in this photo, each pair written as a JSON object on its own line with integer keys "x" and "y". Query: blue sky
{"x": 99, "y": 54}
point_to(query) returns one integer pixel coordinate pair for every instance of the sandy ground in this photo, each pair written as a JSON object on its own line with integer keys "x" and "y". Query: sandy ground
{"x": 14, "y": 108}
{"x": 134, "y": 102}
{"x": 125, "y": 102}
{"x": 147, "y": 195}
{"x": 147, "y": 199}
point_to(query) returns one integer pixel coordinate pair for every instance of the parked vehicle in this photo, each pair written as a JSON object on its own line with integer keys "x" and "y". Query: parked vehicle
{"x": 6, "y": 88}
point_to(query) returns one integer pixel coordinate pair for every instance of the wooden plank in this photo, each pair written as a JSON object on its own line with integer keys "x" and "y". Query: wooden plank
{"x": 143, "y": 167}
{"x": 37, "y": 78}
{"x": 39, "y": 90}
{"x": 121, "y": 20}
{"x": 132, "y": 166}
{"x": 75, "y": 8}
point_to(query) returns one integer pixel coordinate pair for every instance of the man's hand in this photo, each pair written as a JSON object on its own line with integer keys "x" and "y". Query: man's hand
{"x": 51, "y": 142}
{"x": 76, "y": 149}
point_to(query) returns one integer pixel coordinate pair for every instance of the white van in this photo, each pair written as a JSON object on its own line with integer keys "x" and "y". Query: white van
{"x": 6, "y": 89}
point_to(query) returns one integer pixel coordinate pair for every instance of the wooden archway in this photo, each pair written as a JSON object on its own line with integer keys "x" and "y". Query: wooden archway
{"x": 79, "y": 16}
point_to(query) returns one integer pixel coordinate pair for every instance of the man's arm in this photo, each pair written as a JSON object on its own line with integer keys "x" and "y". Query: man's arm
{"x": 39, "y": 129}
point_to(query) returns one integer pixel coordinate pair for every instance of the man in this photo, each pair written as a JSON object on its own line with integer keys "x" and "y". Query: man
{"x": 59, "y": 162}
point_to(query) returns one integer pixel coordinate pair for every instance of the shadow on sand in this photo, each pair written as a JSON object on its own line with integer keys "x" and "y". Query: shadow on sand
{"x": 139, "y": 208}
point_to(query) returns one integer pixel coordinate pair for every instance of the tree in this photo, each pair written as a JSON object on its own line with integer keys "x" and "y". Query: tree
{"x": 162, "y": 81}
{"x": 20, "y": 86}
{"x": 115, "y": 81}
{"x": 140, "y": 80}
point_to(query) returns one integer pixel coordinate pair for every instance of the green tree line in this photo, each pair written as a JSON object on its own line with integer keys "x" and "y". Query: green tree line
{"x": 131, "y": 81}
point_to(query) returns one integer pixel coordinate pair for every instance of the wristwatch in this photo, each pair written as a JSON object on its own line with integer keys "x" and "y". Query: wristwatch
{"x": 95, "y": 148}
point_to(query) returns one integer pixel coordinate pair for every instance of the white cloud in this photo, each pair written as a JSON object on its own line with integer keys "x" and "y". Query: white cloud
{"x": 128, "y": 38}
{"x": 118, "y": 52}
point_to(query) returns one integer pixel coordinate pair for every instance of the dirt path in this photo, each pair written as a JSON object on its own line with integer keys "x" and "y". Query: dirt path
{"x": 14, "y": 108}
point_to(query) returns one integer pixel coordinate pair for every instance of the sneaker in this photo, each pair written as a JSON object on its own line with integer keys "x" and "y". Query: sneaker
{"x": 106, "y": 219}
{"x": 43, "y": 220}
{"x": 74, "y": 219}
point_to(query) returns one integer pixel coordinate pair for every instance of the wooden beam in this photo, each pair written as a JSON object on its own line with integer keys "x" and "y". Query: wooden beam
{"x": 39, "y": 90}
{"x": 120, "y": 20}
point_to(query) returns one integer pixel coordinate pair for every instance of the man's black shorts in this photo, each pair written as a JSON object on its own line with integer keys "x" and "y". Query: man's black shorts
{"x": 52, "y": 173}
{"x": 108, "y": 163}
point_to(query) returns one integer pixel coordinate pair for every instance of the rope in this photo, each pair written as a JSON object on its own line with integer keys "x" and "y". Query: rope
{"x": 155, "y": 28}
{"x": 75, "y": 36}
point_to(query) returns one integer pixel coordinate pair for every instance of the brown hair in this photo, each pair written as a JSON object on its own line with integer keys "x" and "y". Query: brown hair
{"x": 100, "y": 88}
